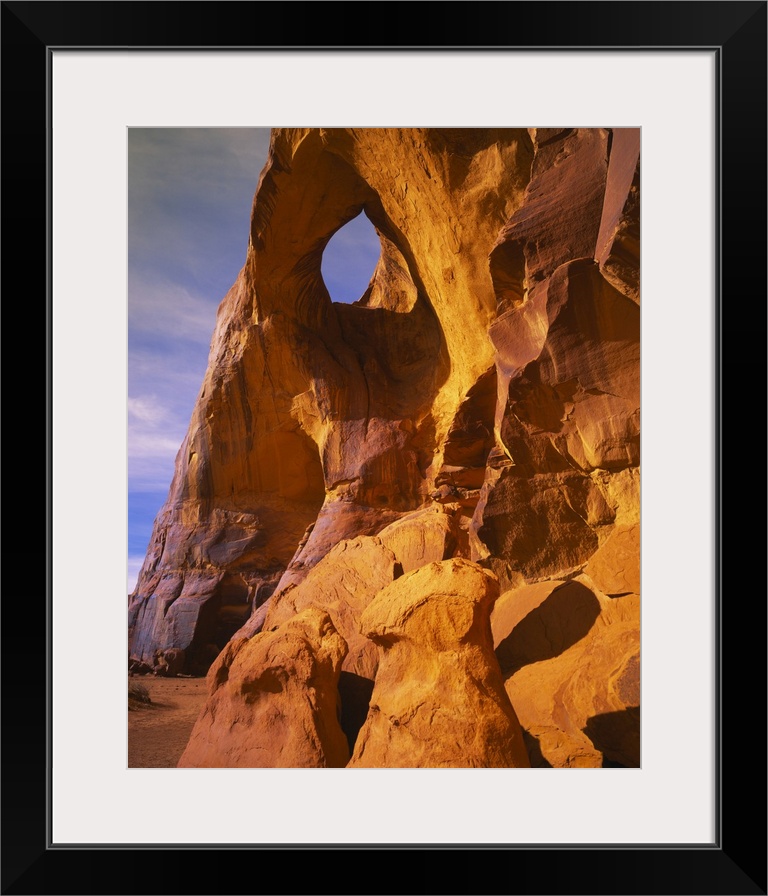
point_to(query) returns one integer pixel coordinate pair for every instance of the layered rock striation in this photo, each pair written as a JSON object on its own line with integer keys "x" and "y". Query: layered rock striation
{"x": 476, "y": 413}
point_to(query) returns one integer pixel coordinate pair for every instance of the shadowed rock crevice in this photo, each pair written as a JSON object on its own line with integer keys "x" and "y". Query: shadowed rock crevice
{"x": 559, "y": 622}
{"x": 470, "y": 437}
{"x": 507, "y": 266}
{"x": 534, "y": 751}
{"x": 355, "y": 693}
{"x": 617, "y": 736}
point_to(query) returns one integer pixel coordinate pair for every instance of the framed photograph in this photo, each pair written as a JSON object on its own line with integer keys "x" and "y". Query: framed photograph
{"x": 691, "y": 77}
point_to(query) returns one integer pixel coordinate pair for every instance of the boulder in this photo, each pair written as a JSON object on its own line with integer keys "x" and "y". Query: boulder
{"x": 571, "y": 661}
{"x": 342, "y": 584}
{"x": 615, "y": 566}
{"x": 273, "y": 701}
{"x": 438, "y": 700}
{"x": 422, "y": 537}
{"x": 169, "y": 662}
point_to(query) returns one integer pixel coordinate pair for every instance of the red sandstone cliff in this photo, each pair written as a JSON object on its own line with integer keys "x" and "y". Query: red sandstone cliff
{"x": 363, "y": 481}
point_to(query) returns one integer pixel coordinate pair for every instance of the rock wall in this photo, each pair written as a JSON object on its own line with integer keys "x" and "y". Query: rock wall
{"x": 479, "y": 405}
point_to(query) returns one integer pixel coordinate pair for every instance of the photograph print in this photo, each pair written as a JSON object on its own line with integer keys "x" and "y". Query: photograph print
{"x": 384, "y": 447}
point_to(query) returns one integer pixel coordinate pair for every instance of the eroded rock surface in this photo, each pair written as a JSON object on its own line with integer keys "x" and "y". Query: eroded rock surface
{"x": 423, "y": 537}
{"x": 570, "y": 657}
{"x": 273, "y": 701}
{"x": 321, "y": 414}
{"x": 344, "y": 582}
{"x": 480, "y": 401}
{"x": 439, "y": 700}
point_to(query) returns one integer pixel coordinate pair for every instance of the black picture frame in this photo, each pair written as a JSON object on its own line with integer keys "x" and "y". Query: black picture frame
{"x": 736, "y": 862}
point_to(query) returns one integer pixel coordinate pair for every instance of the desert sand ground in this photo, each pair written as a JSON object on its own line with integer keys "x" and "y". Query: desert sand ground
{"x": 158, "y": 732}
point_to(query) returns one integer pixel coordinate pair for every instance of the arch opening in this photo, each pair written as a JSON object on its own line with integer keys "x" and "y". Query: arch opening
{"x": 350, "y": 259}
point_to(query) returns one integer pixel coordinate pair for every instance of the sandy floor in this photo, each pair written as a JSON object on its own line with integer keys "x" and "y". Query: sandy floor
{"x": 158, "y": 732}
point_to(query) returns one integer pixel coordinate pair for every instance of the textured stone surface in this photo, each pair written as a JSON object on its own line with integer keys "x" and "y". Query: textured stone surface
{"x": 438, "y": 701}
{"x": 567, "y": 352}
{"x": 308, "y": 404}
{"x": 618, "y": 243}
{"x": 570, "y": 657}
{"x": 273, "y": 701}
{"x": 540, "y": 524}
{"x": 344, "y": 582}
{"x": 422, "y": 537}
{"x": 480, "y": 401}
{"x": 560, "y": 218}
{"x": 615, "y": 566}
{"x": 579, "y": 399}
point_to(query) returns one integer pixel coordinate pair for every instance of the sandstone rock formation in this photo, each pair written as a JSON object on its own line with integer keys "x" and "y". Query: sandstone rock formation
{"x": 343, "y": 583}
{"x": 570, "y": 657}
{"x": 480, "y": 401}
{"x": 439, "y": 700}
{"x": 273, "y": 701}
{"x": 322, "y": 415}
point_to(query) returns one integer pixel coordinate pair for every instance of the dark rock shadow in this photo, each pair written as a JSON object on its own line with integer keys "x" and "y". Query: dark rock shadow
{"x": 355, "y": 692}
{"x": 470, "y": 437}
{"x": 558, "y": 623}
{"x": 617, "y": 736}
{"x": 534, "y": 751}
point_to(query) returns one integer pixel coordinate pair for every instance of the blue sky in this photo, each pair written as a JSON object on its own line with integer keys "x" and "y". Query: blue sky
{"x": 190, "y": 192}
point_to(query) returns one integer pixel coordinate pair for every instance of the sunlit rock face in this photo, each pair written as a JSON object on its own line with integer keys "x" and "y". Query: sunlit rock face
{"x": 479, "y": 403}
{"x": 570, "y": 659}
{"x": 273, "y": 701}
{"x": 438, "y": 700}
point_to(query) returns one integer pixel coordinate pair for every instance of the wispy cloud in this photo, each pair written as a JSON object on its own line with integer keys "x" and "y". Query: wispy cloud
{"x": 146, "y": 410}
{"x": 164, "y": 383}
{"x": 161, "y": 310}
{"x": 150, "y": 462}
{"x": 156, "y": 429}
{"x": 151, "y": 445}
{"x": 190, "y": 192}
{"x": 134, "y": 568}
{"x": 171, "y": 370}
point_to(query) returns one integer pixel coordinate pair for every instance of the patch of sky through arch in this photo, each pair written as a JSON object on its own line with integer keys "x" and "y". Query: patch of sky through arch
{"x": 350, "y": 258}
